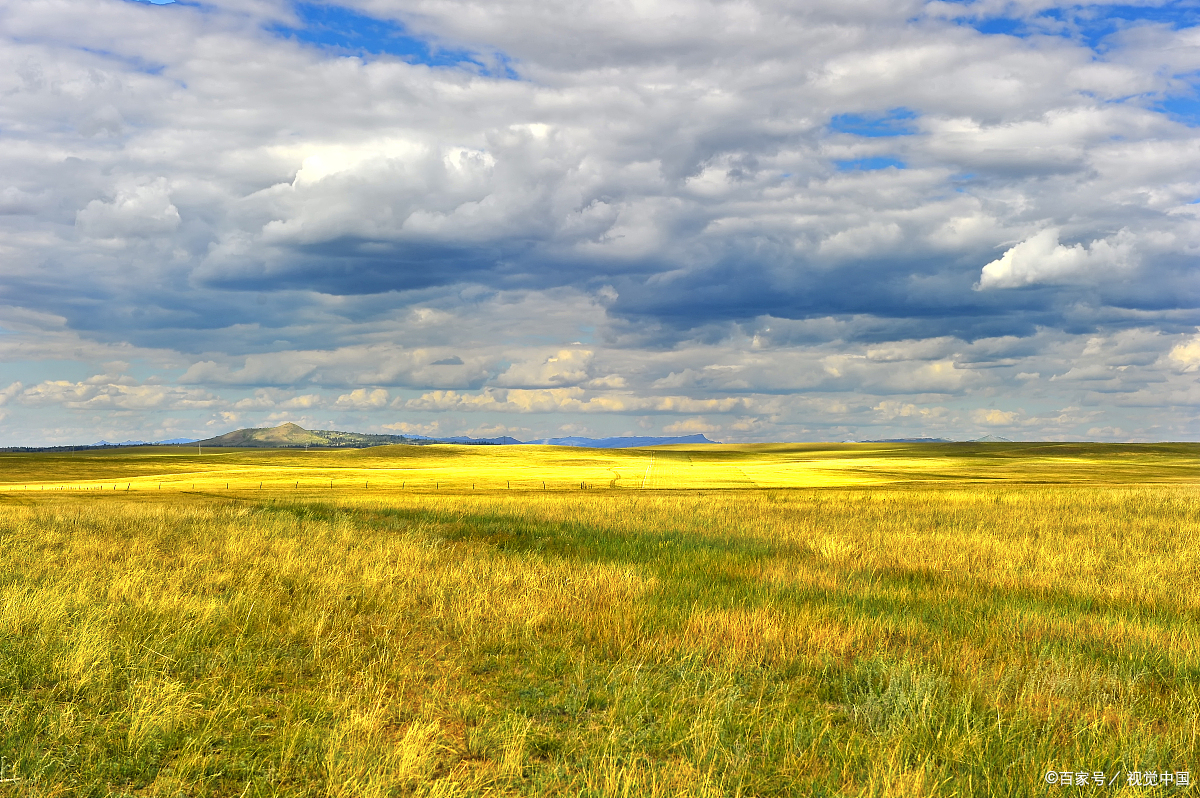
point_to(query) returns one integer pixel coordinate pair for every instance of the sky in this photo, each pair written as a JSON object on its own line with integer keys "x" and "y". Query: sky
{"x": 763, "y": 221}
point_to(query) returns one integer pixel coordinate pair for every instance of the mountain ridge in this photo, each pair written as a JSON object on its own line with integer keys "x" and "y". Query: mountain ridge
{"x": 290, "y": 436}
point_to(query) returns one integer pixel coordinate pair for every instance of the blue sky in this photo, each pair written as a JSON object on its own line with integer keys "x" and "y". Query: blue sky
{"x": 347, "y": 32}
{"x": 758, "y": 221}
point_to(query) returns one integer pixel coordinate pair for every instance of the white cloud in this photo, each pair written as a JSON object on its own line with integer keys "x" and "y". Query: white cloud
{"x": 571, "y": 400}
{"x": 363, "y": 399}
{"x": 9, "y": 392}
{"x": 566, "y": 367}
{"x": 273, "y": 398}
{"x": 891, "y": 409}
{"x": 258, "y": 370}
{"x": 109, "y": 396}
{"x": 1041, "y": 259}
{"x": 749, "y": 424}
{"x": 662, "y": 183}
{"x": 690, "y": 426}
{"x": 497, "y": 431}
{"x": 303, "y": 402}
{"x": 430, "y": 429}
{"x": 995, "y": 418}
{"x": 1187, "y": 354}
{"x": 138, "y": 211}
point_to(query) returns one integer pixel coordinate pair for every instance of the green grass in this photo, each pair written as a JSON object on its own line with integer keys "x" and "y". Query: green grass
{"x": 929, "y": 636}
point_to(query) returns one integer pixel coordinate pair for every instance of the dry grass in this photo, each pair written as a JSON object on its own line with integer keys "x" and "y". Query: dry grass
{"x": 920, "y": 639}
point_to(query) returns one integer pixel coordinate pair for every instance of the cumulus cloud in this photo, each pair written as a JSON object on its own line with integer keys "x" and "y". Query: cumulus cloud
{"x": 890, "y": 409}
{"x": 303, "y": 402}
{"x": 566, "y": 367}
{"x": 429, "y": 429}
{"x": 1187, "y": 354}
{"x": 497, "y": 431}
{"x": 363, "y": 399}
{"x": 257, "y": 370}
{"x": 995, "y": 418}
{"x": 8, "y": 393}
{"x": 492, "y": 180}
{"x": 373, "y": 364}
{"x": 273, "y": 399}
{"x": 87, "y": 395}
{"x": 573, "y": 400}
{"x": 1042, "y": 259}
{"x": 138, "y": 211}
{"x": 689, "y": 426}
{"x": 786, "y": 213}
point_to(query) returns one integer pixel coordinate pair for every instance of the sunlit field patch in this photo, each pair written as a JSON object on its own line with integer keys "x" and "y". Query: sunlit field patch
{"x": 771, "y": 620}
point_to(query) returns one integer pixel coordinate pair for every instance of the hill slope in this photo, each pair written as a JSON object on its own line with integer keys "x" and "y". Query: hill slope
{"x": 289, "y": 435}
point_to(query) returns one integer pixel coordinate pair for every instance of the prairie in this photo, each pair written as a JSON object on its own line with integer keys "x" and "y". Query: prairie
{"x": 861, "y": 619}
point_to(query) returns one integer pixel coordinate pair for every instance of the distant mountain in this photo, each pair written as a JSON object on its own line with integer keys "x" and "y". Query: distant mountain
{"x": 293, "y": 436}
{"x": 502, "y": 441}
{"x": 622, "y": 443}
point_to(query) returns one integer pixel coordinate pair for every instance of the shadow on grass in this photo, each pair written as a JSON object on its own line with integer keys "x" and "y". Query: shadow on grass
{"x": 704, "y": 571}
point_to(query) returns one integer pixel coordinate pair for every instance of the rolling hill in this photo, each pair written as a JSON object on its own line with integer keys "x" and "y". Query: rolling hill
{"x": 292, "y": 436}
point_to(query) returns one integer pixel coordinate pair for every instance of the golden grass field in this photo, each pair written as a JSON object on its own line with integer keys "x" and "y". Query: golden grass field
{"x": 890, "y": 619}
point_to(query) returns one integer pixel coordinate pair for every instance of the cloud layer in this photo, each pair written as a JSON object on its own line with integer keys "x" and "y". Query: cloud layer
{"x": 756, "y": 219}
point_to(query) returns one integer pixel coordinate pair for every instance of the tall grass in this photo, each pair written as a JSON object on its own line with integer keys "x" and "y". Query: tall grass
{"x": 909, "y": 641}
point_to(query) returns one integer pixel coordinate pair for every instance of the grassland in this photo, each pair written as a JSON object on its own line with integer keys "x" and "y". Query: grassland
{"x": 775, "y": 620}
